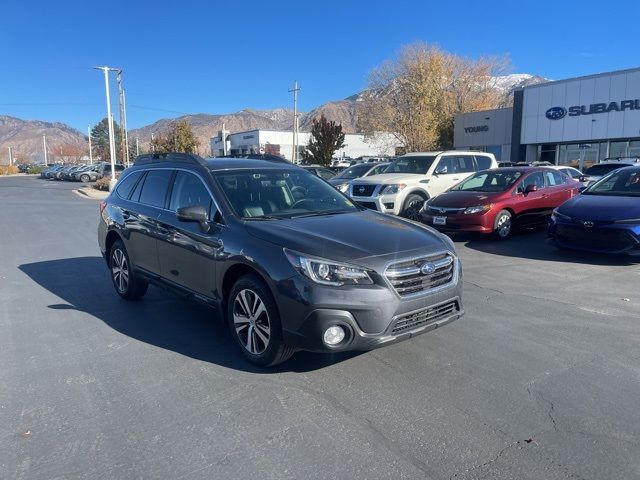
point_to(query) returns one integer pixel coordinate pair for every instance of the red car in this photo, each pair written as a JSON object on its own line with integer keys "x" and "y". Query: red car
{"x": 494, "y": 201}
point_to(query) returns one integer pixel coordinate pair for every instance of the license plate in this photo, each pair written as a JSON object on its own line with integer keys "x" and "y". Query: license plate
{"x": 439, "y": 220}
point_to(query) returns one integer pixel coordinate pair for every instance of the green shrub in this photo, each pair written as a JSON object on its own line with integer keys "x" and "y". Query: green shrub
{"x": 35, "y": 169}
{"x": 8, "y": 169}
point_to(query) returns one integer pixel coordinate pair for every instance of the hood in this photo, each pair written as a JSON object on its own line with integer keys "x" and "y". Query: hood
{"x": 348, "y": 237}
{"x": 601, "y": 208}
{"x": 338, "y": 181}
{"x": 388, "y": 178}
{"x": 456, "y": 199}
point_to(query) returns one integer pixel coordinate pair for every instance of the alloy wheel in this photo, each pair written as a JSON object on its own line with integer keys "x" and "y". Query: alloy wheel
{"x": 120, "y": 270}
{"x": 251, "y": 321}
{"x": 504, "y": 226}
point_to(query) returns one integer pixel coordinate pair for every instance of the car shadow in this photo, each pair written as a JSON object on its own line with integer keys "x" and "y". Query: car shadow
{"x": 160, "y": 318}
{"x": 532, "y": 243}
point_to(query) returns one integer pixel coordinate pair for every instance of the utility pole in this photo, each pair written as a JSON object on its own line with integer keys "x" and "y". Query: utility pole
{"x": 123, "y": 129}
{"x": 90, "y": 151}
{"x": 44, "y": 146}
{"x": 137, "y": 147}
{"x": 112, "y": 143}
{"x": 10, "y": 157}
{"x": 294, "y": 154}
{"x": 124, "y": 126}
{"x": 152, "y": 146}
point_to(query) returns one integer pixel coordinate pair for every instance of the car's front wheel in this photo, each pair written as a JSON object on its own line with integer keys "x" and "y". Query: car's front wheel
{"x": 503, "y": 225}
{"x": 125, "y": 280}
{"x": 84, "y": 178}
{"x": 411, "y": 208}
{"x": 254, "y": 322}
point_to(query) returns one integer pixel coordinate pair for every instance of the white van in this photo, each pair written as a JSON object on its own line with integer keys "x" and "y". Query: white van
{"x": 414, "y": 178}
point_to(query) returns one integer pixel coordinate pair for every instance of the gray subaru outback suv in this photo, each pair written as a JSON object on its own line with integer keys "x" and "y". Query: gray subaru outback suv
{"x": 288, "y": 261}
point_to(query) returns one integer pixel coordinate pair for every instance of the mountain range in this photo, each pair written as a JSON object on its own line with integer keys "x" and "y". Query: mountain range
{"x": 25, "y": 136}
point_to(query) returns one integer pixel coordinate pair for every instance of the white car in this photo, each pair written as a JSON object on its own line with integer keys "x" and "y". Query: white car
{"x": 414, "y": 178}
{"x": 574, "y": 173}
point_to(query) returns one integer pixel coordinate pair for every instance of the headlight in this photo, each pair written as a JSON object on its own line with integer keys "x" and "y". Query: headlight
{"x": 478, "y": 209}
{"x": 559, "y": 215}
{"x": 327, "y": 272}
{"x": 344, "y": 188}
{"x": 392, "y": 189}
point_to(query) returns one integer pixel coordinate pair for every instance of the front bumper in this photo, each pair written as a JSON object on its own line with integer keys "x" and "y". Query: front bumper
{"x": 372, "y": 316}
{"x": 610, "y": 238}
{"x": 478, "y": 223}
{"x": 382, "y": 203}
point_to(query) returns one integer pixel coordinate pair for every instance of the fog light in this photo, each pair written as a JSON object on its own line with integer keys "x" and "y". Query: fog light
{"x": 333, "y": 335}
{"x": 388, "y": 206}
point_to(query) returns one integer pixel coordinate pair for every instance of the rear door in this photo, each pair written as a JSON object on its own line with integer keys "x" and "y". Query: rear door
{"x": 150, "y": 196}
{"x": 187, "y": 253}
{"x": 559, "y": 190}
{"x": 531, "y": 207}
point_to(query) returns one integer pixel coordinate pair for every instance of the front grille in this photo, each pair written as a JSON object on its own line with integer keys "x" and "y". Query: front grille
{"x": 442, "y": 211}
{"x": 409, "y": 277}
{"x": 424, "y": 316}
{"x": 363, "y": 190}
{"x": 611, "y": 240}
{"x": 369, "y": 205}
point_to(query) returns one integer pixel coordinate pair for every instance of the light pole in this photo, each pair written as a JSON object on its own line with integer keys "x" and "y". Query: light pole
{"x": 44, "y": 146}
{"x": 112, "y": 146}
{"x": 137, "y": 147}
{"x": 10, "y": 157}
{"x": 126, "y": 133}
{"x": 294, "y": 153}
{"x": 90, "y": 151}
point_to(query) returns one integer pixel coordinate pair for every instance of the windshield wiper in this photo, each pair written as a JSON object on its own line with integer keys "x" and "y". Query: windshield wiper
{"x": 320, "y": 213}
{"x": 264, "y": 217}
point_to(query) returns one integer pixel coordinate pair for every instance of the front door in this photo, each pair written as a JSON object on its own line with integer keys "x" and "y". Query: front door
{"x": 187, "y": 252}
{"x": 450, "y": 170}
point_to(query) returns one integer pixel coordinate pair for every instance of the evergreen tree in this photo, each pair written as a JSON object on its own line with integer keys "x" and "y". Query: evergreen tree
{"x": 326, "y": 138}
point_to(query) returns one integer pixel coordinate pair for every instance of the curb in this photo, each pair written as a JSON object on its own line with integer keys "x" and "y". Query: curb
{"x": 97, "y": 195}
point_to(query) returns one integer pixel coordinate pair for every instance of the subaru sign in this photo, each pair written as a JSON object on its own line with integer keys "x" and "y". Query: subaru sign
{"x": 556, "y": 113}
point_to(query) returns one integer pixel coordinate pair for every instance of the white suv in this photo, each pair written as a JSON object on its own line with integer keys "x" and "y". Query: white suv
{"x": 416, "y": 177}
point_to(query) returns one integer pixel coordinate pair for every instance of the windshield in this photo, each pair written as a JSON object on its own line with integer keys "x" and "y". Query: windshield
{"x": 604, "y": 168}
{"x": 624, "y": 183}
{"x": 271, "y": 194}
{"x": 411, "y": 164}
{"x": 354, "y": 171}
{"x": 489, "y": 181}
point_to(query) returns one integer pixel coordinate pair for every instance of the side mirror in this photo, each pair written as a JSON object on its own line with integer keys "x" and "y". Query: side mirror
{"x": 583, "y": 178}
{"x": 194, "y": 213}
{"x": 440, "y": 170}
{"x": 530, "y": 188}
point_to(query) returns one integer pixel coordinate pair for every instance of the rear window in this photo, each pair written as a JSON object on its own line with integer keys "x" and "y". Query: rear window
{"x": 154, "y": 189}
{"x": 603, "y": 169}
{"x": 125, "y": 186}
{"x": 484, "y": 162}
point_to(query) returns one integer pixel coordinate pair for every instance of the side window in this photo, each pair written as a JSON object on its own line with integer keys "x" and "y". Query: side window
{"x": 483, "y": 162}
{"x": 154, "y": 189}
{"x": 124, "y": 187}
{"x": 571, "y": 172}
{"x": 325, "y": 173}
{"x": 463, "y": 164}
{"x": 135, "y": 195}
{"x": 534, "y": 179}
{"x": 188, "y": 190}
{"x": 445, "y": 166}
{"x": 558, "y": 178}
{"x": 119, "y": 168}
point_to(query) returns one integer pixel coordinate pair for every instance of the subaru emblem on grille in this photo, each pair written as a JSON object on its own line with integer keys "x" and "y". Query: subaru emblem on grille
{"x": 427, "y": 268}
{"x": 442, "y": 210}
{"x": 361, "y": 190}
{"x": 588, "y": 224}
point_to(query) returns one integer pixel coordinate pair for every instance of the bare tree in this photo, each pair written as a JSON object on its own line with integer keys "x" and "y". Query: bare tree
{"x": 416, "y": 95}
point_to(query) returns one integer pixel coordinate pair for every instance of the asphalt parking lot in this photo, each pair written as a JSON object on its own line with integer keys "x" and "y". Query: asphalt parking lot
{"x": 539, "y": 380}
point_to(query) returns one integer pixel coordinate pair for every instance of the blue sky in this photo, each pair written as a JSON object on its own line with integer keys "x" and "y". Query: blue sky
{"x": 217, "y": 57}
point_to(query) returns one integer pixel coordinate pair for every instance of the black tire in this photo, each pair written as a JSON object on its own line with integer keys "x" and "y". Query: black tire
{"x": 127, "y": 284}
{"x": 242, "y": 305}
{"x": 503, "y": 225}
{"x": 412, "y": 205}
{"x": 84, "y": 178}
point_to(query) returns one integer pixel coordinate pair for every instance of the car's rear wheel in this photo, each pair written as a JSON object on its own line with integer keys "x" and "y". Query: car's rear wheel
{"x": 254, "y": 322}
{"x": 503, "y": 225}
{"x": 128, "y": 285}
{"x": 411, "y": 208}
{"x": 84, "y": 178}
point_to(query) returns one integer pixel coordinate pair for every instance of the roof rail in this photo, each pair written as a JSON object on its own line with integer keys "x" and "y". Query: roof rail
{"x": 148, "y": 158}
{"x": 256, "y": 156}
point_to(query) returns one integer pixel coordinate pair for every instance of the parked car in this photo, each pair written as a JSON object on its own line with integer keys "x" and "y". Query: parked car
{"x": 574, "y": 173}
{"x": 57, "y": 175}
{"x": 69, "y": 172}
{"x": 102, "y": 169}
{"x": 83, "y": 174}
{"x": 48, "y": 171}
{"x": 23, "y": 167}
{"x": 496, "y": 201}
{"x": 599, "y": 170}
{"x": 604, "y": 218}
{"x": 414, "y": 178}
{"x": 341, "y": 181}
{"x": 322, "y": 172}
{"x": 250, "y": 237}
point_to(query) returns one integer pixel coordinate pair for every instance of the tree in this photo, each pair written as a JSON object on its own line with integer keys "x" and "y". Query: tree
{"x": 417, "y": 95}
{"x": 100, "y": 140}
{"x": 326, "y": 138}
{"x": 69, "y": 152}
{"x": 179, "y": 137}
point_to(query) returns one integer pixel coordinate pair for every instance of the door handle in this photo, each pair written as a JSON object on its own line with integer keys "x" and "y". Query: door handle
{"x": 125, "y": 214}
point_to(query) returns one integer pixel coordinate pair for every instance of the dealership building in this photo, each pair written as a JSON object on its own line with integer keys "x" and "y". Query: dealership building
{"x": 280, "y": 142}
{"x": 578, "y": 121}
